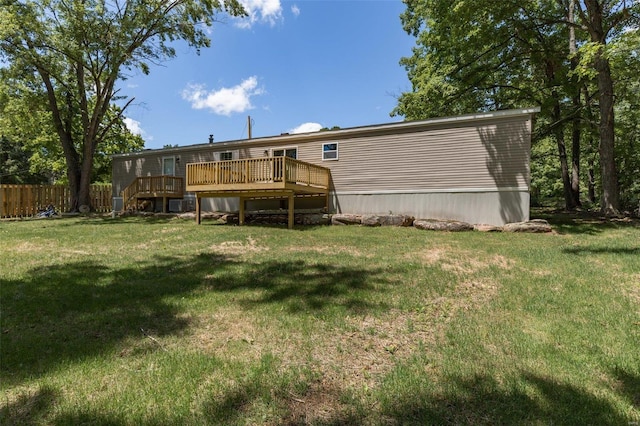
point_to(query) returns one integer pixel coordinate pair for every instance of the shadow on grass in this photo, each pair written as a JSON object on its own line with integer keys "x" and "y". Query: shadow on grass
{"x": 106, "y": 219}
{"x": 484, "y": 401}
{"x": 587, "y": 223}
{"x": 629, "y": 251}
{"x": 29, "y": 409}
{"x": 69, "y": 312}
{"x": 629, "y": 386}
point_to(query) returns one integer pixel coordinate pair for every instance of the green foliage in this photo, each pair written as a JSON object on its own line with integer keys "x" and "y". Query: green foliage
{"x": 14, "y": 164}
{"x": 26, "y": 120}
{"x": 625, "y": 63}
{"x": 73, "y": 53}
{"x": 485, "y": 55}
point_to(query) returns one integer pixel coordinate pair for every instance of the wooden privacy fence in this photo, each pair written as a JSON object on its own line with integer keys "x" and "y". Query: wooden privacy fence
{"x": 28, "y": 200}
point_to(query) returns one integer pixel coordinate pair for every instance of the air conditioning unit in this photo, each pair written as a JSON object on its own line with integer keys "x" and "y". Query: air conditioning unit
{"x": 176, "y": 206}
{"x": 189, "y": 204}
{"x": 180, "y": 206}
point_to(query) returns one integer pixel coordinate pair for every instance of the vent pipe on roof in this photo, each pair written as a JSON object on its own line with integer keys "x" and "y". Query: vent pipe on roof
{"x": 210, "y": 138}
{"x": 249, "y": 126}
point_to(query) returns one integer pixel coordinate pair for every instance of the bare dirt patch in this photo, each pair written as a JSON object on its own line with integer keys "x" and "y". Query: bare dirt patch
{"x": 463, "y": 262}
{"x": 329, "y": 250}
{"x": 239, "y": 247}
{"x": 633, "y": 291}
{"x": 354, "y": 355}
{"x": 30, "y": 247}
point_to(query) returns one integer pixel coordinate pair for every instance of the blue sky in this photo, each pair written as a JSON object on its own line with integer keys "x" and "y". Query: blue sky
{"x": 292, "y": 66}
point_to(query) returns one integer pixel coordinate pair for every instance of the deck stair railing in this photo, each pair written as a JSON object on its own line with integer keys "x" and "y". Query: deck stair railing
{"x": 154, "y": 186}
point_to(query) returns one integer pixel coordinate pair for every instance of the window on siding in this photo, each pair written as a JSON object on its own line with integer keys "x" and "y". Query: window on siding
{"x": 226, "y": 156}
{"x": 286, "y": 152}
{"x": 169, "y": 166}
{"x": 329, "y": 151}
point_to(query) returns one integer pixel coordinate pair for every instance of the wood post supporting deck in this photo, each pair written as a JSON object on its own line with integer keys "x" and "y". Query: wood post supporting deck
{"x": 198, "y": 210}
{"x": 290, "y": 196}
{"x": 291, "y": 209}
{"x": 241, "y": 212}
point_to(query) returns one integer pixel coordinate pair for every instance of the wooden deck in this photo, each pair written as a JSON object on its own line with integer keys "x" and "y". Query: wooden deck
{"x": 257, "y": 178}
{"x": 148, "y": 187}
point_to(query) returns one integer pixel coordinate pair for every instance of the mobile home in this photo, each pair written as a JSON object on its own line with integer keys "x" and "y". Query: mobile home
{"x": 473, "y": 168}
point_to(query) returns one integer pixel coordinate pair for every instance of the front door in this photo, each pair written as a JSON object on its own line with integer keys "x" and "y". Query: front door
{"x": 291, "y": 152}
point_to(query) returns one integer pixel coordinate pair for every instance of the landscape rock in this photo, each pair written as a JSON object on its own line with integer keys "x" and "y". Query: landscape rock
{"x": 230, "y": 219}
{"x": 371, "y": 220}
{"x": 532, "y": 226}
{"x": 442, "y": 225}
{"x": 483, "y": 227}
{"x": 397, "y": 220}
{"x": 346, "y": 219}
{"x": 315, "y": 219}
{"x": 187, "y": 215}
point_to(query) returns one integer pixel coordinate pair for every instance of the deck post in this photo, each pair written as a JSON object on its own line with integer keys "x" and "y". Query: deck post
{"x": 241, "y": 213}
{"x": 198, "y": 209}
{"x": 291, "y": 208}
{"x": 164, "y": 204}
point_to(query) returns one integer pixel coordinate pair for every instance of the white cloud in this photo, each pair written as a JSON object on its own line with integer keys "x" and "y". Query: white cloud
{"x": 269, "y": 11}
{"x": 134, "y": 127}
{"x": 295, "y": 10}
{"x": 307, "y": 128}
{"x": 225, "y": 101}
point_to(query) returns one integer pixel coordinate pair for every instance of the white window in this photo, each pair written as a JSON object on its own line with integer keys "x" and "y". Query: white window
{"x": 226, "y": 156}
{"x": 291, "y": 152}
{"x": 330, "y": 151}
{"x": 169, "y": 166}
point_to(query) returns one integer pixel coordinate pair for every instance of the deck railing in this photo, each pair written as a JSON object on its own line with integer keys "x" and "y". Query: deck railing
{"x": 257, "y": 170}
{"x": 157, "y": 186}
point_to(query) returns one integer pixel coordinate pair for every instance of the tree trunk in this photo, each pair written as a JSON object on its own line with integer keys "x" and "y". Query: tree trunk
{"x": 575, "y": 155}
{"x": 610, "y": 192}
{"x": 592, "y": 180}
{"x": 562, "y": 154}
{"x": 594, "y": 22}
{"x": 84, "y": 196}
{"x": 564, "y": 167}
{"x": 575, "y": 130}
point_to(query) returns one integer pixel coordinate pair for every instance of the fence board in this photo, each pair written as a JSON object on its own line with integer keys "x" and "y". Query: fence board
{"x": 28, "y": 200}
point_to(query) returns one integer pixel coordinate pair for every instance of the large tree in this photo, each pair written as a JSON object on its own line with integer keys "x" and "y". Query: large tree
{"x": 80, "y": 49}
{"x": 26, "y": 127}
{"x": 483, "y": 55}
{"x": 604, "y": 20}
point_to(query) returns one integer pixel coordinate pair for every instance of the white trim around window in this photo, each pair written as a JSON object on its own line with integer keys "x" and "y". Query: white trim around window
{"x": 285, "y": 151}
{"x": 330, "y": 151}
{"x": 169, "y": 166}
{"x": 226, "y": 156}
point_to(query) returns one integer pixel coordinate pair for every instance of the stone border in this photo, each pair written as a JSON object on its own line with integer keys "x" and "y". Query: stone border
{"x": 371, "y": 220}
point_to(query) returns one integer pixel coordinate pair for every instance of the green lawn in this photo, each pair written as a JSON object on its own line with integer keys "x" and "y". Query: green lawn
{"x": 137, "y": 321}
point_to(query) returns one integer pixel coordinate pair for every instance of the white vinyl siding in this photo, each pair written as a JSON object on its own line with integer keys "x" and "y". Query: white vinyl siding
{"x": 433, "y": 169}
{"x": 473, "y": 157}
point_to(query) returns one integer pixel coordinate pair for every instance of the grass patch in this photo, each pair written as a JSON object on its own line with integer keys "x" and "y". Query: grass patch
{"x": 147, "y": 321}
